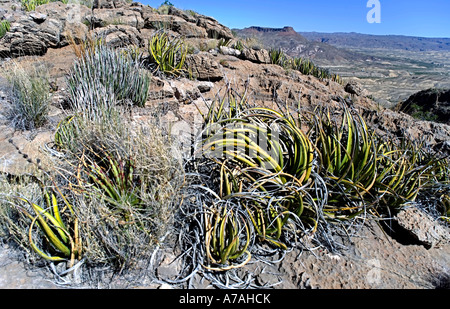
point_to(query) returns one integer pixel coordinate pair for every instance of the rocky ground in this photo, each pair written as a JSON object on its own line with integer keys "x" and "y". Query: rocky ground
{"x": 373, "y": 260}
{"x": 417, "y": 255}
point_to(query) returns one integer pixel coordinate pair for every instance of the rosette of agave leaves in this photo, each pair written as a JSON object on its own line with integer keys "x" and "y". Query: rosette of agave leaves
{"x": 276, "y": 178}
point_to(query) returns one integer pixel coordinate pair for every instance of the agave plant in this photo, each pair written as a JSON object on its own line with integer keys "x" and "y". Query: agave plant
{"x": 277, "y": 56}
{"x": 58, "y": 225}
{"x": 445, "y": 200}
{"x": 348, "y": 157}
{"x": 402, "y": 172}
{"x": 114, "y": 180}
{"x": 167, "y": 54}
{"x": 307, "y": 67}
{"x": 227, "y": 238}
{"x": 265, "y": 160}
{"x": 257, "y": 137}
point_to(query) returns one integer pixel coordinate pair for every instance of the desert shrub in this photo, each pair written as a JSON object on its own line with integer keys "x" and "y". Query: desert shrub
{"x": 128, "y": 176}
{"x": 418, "y": 112}
{"x": 118, "y": 72}
{"x": 114, "y": 185}
{"x": 130, "y": 184}
{"x": 110, "y": 198}
{"x": 30, "y": 96}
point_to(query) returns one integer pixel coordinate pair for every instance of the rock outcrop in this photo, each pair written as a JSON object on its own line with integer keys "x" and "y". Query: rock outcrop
{"x": 204, "y": 67}
{"x": 51, "y": 25}
{"x": 430, "y": 104}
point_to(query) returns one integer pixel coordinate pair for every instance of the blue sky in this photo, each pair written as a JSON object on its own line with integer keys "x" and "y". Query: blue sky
{"x": 427, "y": 18}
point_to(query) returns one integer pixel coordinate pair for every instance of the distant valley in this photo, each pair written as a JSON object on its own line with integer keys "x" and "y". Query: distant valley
{"x": 390, "y": 67}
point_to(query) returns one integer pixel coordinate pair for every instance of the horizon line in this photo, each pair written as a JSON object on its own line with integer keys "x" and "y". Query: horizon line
{"x": 343, "y": 32}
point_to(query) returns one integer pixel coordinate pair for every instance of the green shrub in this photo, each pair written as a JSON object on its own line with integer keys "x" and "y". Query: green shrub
{"x": 277, "y": 56}
{"x": 30, "y": 5}
{"x": 4, "y": 27}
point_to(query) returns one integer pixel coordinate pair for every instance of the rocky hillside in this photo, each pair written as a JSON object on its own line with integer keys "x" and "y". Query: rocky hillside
{"x": 430, "y": 104}
{"x": 414, "y": 254}
{"x": 297, "y": 45}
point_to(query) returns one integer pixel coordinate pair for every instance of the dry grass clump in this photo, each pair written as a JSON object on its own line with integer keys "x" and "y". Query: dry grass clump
{"x": 30, "y": 95}
{"x": 109, "y": 200}
{"x": 14, "y": 224}
{"x": 129, "y": 187}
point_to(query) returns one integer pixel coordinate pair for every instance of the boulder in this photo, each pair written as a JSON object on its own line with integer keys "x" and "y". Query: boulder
{"x": 203, "y": 67}
{"x": 160, "y": 90}
{"x": 120, "y": 16}
{"x": 214, "y": 29}
{"x": 187, "y": 91}
{"x": 66, "y": 13}
{"x": 228, "y": 51}
{"x": 119, "y": 35}
{"x": 422, "y": 227}
{"x": 18, "y": 149}
{"x": 177, "y": 24}
{"x": 180, "y": 13}
{"x": 26, "y": 37}
{"x": 38, "y": 17}
{"x": 430, "y": 104}
{"x": 49, "y": 26}
{"x": 354, "y": 88}
{"x": 256, "y": 56}
{"x": 72, "y": 18}
{"x": 109, "y": 4}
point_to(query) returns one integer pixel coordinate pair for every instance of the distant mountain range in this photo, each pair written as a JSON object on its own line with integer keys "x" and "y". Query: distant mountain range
{"x": 335, "y": 47}
{"x": 390, "y": 67}
{"x": 358, "y": 40}
{"x": 297, "y": 45}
